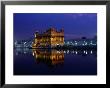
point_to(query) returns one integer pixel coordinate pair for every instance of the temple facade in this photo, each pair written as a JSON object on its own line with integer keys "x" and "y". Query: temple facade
{"x": 50, "y": 38}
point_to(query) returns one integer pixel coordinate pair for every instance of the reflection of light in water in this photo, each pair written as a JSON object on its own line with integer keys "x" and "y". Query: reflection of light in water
{"x": 86, "y": 52}
{"x": 33, "y": 53}
{"x": 67, "y": 51}
{"x": 36, "y": 55}
{"x": 57, "y": 51}
{"x": 91, "y": 52}
{"x": 76, "y": 52}
{"x": 54, "y": 56}
{"x": 64, "y": 51}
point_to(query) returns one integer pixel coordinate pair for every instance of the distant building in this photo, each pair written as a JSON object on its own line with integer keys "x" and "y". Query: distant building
{"x": 50, "y": 38}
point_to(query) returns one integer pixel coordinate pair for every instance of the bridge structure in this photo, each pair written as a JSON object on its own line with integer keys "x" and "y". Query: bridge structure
{"x": 90, "y": 42}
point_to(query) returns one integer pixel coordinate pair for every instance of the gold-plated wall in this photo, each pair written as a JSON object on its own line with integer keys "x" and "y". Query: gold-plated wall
{"x": 50, "y": 38}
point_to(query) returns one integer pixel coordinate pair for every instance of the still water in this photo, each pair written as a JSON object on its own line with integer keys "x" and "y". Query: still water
{"x": 54, "y": 62}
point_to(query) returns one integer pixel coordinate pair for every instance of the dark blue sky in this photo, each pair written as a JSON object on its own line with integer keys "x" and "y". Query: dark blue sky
{"x": 75, "y": 24}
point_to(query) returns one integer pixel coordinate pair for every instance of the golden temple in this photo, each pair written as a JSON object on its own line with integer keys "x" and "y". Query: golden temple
{"x": 50, "y": 38}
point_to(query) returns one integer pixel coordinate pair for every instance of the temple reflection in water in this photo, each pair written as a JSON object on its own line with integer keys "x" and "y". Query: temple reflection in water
{"x": 49, "y": 56}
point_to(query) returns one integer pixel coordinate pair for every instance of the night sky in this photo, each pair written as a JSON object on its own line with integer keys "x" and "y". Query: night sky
{"x": 75, "y": 25}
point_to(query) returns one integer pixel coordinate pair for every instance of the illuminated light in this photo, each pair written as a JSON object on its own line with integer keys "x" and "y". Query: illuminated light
{"x": 86, "y": 52}
{"x": 91, "y": 52}
{"x": 76, "y": 43}
{"x": 24, "y": 42}
{"x": 86, "y": 43}
{"x": 76, "y": 52}
{"x": 36, "y": 56}
{"x": 64, "y": 51}
{"x": 67, "y": 51}
{"x": 33, "y": 54}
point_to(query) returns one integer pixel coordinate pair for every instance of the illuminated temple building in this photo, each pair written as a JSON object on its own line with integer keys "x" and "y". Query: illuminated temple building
{"x": 50, "y": 38}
